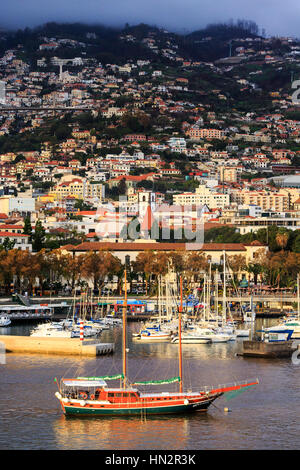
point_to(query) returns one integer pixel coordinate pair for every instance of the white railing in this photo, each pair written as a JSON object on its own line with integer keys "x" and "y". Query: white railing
{"x": 208, "y": 389}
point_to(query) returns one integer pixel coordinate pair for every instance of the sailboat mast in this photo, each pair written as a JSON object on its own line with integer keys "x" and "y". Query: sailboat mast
{"x": 209, "y": 289}
{"x": 204, "y": 297}
{"x": 216, "y": 294}
{"x": 179, "y": 337}
{"x": 124, "y": 335}
{"x": 74, "y": 307}
{"x": 298, "y": 297}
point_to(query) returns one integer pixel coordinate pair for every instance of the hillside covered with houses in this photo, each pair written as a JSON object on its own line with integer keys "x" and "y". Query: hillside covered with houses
{"x": 132, "y": 140}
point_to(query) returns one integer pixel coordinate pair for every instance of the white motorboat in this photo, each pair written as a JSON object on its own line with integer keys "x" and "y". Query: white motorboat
{"x": 191, "y": 338}
{"x": 5, "y": 320}
{"x": 148, "y": 335}
{"x": 242, "y": 333}
{"x": 88, "y": 332}
{"x": 220, "y": 338}
{"x": 102, "y": 323}
{"x": 290, "y": 324}
{"x": 111, "y": 320}
{"x": 89, "y": 324}
{"x": 293, "y": 325}
{"x": 227, "y": 331}
{"x": 212, "y": 335}
{"x": 51, "y": 332}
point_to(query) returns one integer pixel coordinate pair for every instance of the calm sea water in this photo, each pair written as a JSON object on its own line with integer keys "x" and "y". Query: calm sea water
{"x": 265, "y": 417}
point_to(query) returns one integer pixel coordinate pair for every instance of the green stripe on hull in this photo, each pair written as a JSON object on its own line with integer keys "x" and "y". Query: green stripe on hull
{"x": 71, "y": 410}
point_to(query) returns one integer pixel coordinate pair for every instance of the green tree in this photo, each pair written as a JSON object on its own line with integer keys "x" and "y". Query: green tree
{"x": 122, "y": 187}
{"x": 27, "y": 229}
{"x": 7, "y": 244}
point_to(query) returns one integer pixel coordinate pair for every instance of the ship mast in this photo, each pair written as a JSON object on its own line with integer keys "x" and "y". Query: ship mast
{"x": 224, "y": 289}
{"x": 179, "y": 338}
{"x": 298, "y": 298}
{"x": 124, "y": 335}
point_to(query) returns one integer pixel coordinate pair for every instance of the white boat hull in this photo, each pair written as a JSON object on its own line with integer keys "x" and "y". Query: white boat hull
{"x": 5, "y": 322}
{"x": 219, "y": 338}
{"x": 51, "y": 334}
{"x": 152, "y": 338}
{"x": 242, "y": 333}
{"x": 191, "y": 340}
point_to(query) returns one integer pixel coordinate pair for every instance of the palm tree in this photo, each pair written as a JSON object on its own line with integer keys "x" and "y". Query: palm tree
{"x": 255, "y": 269}
{"x": 282, "y": 239}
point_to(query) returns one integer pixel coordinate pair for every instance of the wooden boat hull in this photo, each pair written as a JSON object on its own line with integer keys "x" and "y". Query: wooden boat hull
{"x": 130, "y": 411}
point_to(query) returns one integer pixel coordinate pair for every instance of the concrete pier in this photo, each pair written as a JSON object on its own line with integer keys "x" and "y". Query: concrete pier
{"x": 58, "y": 346}
{"x": 263, "y": 349}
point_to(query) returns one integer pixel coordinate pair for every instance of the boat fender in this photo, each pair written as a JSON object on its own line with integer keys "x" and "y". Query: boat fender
{"x": 58, "y": 395}
{"x": 186, "y": 402}
{"x": 82, "y": 402}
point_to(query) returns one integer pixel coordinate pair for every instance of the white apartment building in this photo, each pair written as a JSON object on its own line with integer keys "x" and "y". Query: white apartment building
{"x": 23, "y": 205}
{"x": 202, "y": 196}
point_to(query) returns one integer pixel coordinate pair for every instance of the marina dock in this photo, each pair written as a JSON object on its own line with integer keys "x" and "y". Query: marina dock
{"x": 57, "y": 346}
{"x": 263, "y": 349}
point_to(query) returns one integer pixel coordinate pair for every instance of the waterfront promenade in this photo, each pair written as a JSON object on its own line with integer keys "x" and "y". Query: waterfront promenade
{"x": 58, "y": 346}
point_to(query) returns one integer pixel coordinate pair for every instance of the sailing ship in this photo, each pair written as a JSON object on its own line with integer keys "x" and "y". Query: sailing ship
{"x": 91, "y": 396}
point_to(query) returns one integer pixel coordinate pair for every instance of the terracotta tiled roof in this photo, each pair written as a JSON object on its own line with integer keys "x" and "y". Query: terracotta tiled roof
{"x": 67, "y": 247}
{"x": 133, "y": 177}
{"x": 254, "y": 243}
{"x": 11, "y": 226}
{"x": 10, "y": 234}
{"x": 87, "y": 213}
{"x": 209, "y": 225}
{"x": 144, "y": 246}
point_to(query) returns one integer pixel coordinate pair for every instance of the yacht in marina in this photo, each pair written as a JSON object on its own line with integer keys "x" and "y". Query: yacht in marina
{"x": 290, "y": 323}
{"x": 5, "y": 320}
{"x": 51, "y": 330}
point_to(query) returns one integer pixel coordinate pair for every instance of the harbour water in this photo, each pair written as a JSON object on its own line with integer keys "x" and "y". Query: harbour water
{"x": 264, "y": 417}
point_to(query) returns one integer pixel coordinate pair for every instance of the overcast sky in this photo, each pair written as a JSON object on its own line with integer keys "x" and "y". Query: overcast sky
{"x": 277, "y": 17}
